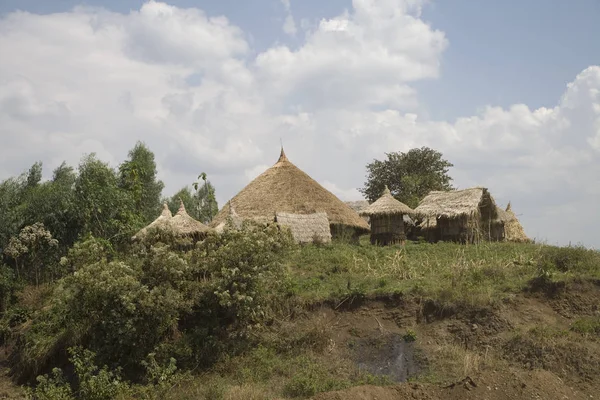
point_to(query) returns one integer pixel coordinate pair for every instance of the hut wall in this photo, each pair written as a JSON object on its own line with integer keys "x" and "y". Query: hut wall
{"x": 387, "y": 230}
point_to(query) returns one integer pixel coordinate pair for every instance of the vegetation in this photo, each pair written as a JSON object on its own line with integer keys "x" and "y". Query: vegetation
{"x": 86, "y": 314}
{"x": 410, "y": 176}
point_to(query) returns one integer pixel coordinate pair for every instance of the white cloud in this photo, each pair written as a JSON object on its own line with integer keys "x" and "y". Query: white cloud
{"x": 186, "y": 84}
{"x": 289, "y": 24}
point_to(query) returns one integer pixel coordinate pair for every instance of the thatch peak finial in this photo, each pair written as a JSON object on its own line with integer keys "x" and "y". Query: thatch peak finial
{"x": 508, "y": 207}
{"x": 386, "y": 191}
{"x": 282, "y": 156}
{"x": 181, "y": 206}
{"x": 166, "y": 212}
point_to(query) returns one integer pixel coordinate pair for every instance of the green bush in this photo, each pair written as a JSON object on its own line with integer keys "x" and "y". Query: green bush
{"x": 576, "y": 259}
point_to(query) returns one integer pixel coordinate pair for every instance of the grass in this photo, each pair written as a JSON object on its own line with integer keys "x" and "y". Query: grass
{"x": 472, "y": 274}
{"x": 295, "y": 358}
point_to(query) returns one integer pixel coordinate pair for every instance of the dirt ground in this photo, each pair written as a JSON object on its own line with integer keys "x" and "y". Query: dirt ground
{"x": 523, "y": 348}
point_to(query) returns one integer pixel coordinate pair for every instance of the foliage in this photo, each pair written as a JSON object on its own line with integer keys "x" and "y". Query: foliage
{"x": 137, "y": 175}
{"x": 200, "y": 205}
{"x": 92, "y": 383}
{"x": 410, "y": 176}
{"x": 104, "y": 209}
{"x": 206, "y": 201}
{"x": 34, "y": 249}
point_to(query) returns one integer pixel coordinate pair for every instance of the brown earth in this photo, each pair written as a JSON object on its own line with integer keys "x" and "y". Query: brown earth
{"x": 522, "y": 348}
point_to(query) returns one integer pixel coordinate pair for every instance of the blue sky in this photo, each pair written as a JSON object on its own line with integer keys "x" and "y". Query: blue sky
{"x": 509, "y": 91}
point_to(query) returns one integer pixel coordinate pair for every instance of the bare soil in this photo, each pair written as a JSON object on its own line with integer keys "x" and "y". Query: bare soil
{"x": 522, "y": 348}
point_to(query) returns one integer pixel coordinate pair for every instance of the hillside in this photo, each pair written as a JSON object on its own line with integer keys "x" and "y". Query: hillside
{"x": 444, "y": 321}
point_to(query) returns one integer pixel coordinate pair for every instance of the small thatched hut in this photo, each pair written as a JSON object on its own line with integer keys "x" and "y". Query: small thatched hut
{"x": 180, "y": 225}
{"x": 513, "y": 230}
{"x": 285, "y": 188}
{"x": 160, "y": 223}
{"x": 306, "y": 228}
{"x": 461, "y": 215}
{"x": 387, "y": 219}
{"x": 184, "y": 225}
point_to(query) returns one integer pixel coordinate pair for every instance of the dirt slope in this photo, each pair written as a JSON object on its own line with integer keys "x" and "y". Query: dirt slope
{"x": 537, "y": 345}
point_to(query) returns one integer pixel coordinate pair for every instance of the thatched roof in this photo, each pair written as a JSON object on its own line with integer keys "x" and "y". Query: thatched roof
{"x": 233, "y": 221}
{"x": 456, "y": 203}
{"x": 184, "y": 225}
{"x": 306, "y": 228}
{"x": 162, "y": 222}
{"x": 513, "y": 230}
{"x": 387, "y": 205}
{"x": 285, "y": 188}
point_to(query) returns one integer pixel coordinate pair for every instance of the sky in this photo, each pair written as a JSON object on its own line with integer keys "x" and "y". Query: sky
{"x": 508, "y": 91}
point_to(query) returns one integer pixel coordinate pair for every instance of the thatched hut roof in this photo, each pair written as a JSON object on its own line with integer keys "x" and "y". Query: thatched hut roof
{"x": 233, "y": 220}
{"x": 457, "y": 203}
{"x": 513, "y": 230}
{"x": 286, "y": 188}
{"x": 306, "y": 228}
{"x": 387, "y": 205}
{"x": 184, "y": 225}
{"x": 162, "y": 222}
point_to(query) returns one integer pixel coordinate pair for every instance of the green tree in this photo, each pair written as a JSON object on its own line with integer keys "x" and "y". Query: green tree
{"x": 103, "y": 209}
{"x": 200, "y": 204}
{"x": 137, "y": 175}
{"x": 34, "y": 248}
{"x": 52, "y": 203}
{"x": 205, "y": 199}
{"x": 185, "y": 195}
{"x": 410, "y": 176}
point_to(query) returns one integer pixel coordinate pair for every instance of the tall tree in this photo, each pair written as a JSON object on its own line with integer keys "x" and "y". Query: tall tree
{"x": 206, "y": 201}
{"x": 137, "y": 175}
{"x": 103, "y": 208}
{"x": 410, "y": 176}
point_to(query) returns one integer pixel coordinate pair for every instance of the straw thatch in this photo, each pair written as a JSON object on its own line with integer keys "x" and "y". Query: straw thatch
{"x": 386, "y": 215}
{"x": 233, "y": 221}
{"x": 184, "y": 225}
{"x": 387, "y": 205}
{"x": 456, "y": 203}
{"x": 467, "y": 215}
{"x": 513, "y": 229}
{"x": 306, "y": 228}
{"x": 285, "y": 188}
{"x": 162, "y": 222}
{"x": 358, "y": 205}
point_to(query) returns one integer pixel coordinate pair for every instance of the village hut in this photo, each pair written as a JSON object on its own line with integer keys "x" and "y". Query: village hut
{"x": 461, "y": 215}
{"x": 387, "y": 219}
{"x": 185, "y": 226}
{"x": 287, "y": 189}
{"x": 306, "y": 228}
{"x": 513, "y": 230}
{"x": 160, "y": 223}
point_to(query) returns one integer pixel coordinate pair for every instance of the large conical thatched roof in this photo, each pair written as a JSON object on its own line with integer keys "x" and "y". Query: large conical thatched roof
{"x": 387, "y": 205}
{"x": 285, "y": 188}
{"x": 162, "y": 222}
{"x": 184, "y": 225}
{"x": 513, "y": 230}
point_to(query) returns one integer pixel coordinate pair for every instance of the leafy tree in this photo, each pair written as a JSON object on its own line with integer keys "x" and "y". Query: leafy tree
{"x": 52, "y": 203}
{"x": 201, "y": 204}
{"x": 11, "y": 193}
{"x": 137, "y": 175}
{"x": 185, "y": 195}
{"x": 34, "y": 248}
{"x": 206, "y": 202}
{"x": 410, "y": 176}
{"x": 104, "y": 210}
